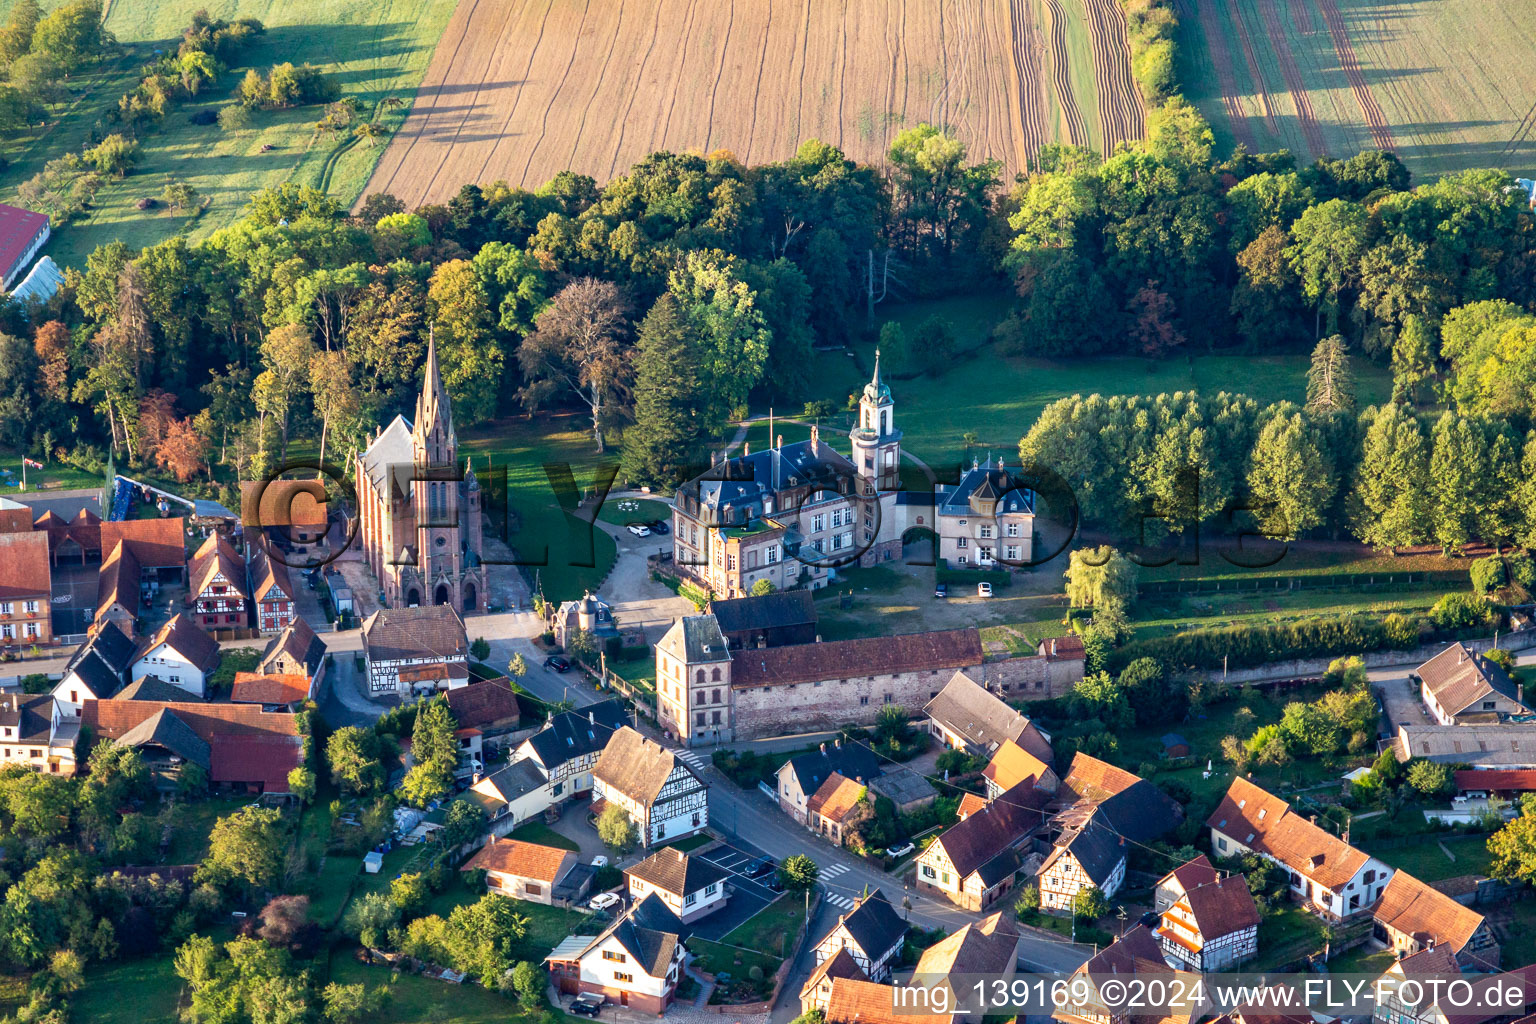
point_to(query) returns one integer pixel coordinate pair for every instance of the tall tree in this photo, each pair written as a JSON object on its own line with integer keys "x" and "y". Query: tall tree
{"x": 1327, "y": 243}
{"x": 285, "y": 354}
{"x": 1330, "y": 380}
{"x": 667, "y": 438}
{"x": 733, "y": 339}
{"x": 472, "y": 361}
{"x": 1290, "y": 477}
{"x": 1391, "y": 498}
{"x": 336, "y": 397}
{"x": 578, "y": 347}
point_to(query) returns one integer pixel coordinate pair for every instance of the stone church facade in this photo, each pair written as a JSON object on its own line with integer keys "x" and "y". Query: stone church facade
{"x": 419, "y": 511}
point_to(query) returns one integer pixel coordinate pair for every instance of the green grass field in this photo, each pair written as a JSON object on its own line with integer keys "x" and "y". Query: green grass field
{"x": 772, "y": 929}
{"x": 1427, "y": 862}
{"x": 377, "y": 49}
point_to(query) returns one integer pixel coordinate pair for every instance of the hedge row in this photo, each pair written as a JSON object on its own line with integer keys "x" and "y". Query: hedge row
{"x": 1152, "y": 28}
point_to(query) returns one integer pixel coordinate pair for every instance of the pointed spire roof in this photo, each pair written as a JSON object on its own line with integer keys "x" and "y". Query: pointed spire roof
{"x": 876, "y": 390}
{"x": 433, "y": 404}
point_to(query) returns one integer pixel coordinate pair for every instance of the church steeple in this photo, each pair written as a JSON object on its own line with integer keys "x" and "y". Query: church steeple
{"x": 434, "y": 413}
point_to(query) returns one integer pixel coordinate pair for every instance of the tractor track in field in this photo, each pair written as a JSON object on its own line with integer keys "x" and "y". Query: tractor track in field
{"x": 1255, "y": 69}
{"x": 1294, "y": 83}
{"x": 1120, "y": 113}
{"x": 1027, "y": 77}
{"x": 1226, "y": 80}
{"x": 1375, "y": 120}
{"x": 1077, "y": 132}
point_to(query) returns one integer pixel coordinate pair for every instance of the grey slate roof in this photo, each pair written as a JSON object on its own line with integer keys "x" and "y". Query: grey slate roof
{"x": 874, "y": 924}
{"x": 400, "y": 634}
{"x": 696, "y": 639}
{"x": 985, "y": 481}
{"x": 740, "y": 484}
{"x": 576, "y": 733}
{"x": 390, "y": 453}
{"x": 650, "y": 932}
{"x": 517, "y": 779}
{"x": 766, "y": 611}
{"x": 851, "y": 760}
{"x": 970, "y": 710}
{"x": 103, "y": 660}
{"x": 676, "y": 872}
{"x": 166, "y": 729}
{"x": 1095, "y": 846}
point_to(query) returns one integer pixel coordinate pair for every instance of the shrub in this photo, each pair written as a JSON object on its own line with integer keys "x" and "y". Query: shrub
{"x": 1456, "y": 611}
{"x": 205, "y": 117}
{"x": 234, "y": 117}
{"x": 1487, "y": 575}
{"x": 1402, "y": 631}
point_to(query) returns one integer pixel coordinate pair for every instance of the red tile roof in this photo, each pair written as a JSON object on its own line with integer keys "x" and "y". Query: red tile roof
{"x": 247, "y": 744}
{"x": 18, "y": 230}
{"x": 216, "y": 556}
{"x": 525, "y": 860}
{"x": 263, "y": 759}
{"x": 156, "y": 543}
{"x": 255, "y": 688}
{"x": 1409, "y": 906}
{"x": 834, "y": 659}
{"x": 1503, "y": 779}
{"x": 24, "y": 566}
{"x": 484, "y": 703}
{"x": 1265, "y": 824}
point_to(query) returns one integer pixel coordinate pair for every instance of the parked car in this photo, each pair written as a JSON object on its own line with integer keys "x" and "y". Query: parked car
{"x": 557, "y": 663}
{"x": 941, "y": 590}
{"x": 900, "y": 851}
{"x": 760, "y": 867}
{"x": 639, "y": 529}
{"x": 773, "y": 883}
{"x": 660, "y": 526}
{"x": 603, "y": 900}
{"x": 588, "y": 1004}
{"x": 983, "y": 590}
{"x": 600, "y": 861}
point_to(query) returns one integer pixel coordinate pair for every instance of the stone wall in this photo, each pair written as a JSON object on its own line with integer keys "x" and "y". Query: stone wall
{"x": 1032, "y": 678}
{"x": 808, "y": 707}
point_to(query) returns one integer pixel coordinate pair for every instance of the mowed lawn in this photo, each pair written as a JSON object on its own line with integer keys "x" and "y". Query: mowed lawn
{"x": 376, "y": 49}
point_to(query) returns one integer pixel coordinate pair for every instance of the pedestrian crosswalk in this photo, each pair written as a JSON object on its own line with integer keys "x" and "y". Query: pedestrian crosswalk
{"x": 692, "y": 760}
{"x": 846, "y": 902}
{"x": 833, "y": 871}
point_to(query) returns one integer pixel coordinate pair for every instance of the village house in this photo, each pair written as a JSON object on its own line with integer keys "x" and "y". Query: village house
{"x": 984, "y": 519}
{"x": 1172, "y": 886}
{"x": 77, "y": 539}
{"x": 288, "y": 514}
{"x": 1328, "y": 876}
{"x": 487, "y": 705}
{"x": 1011, "y": 765}
{"x": 415, "y": 650}
{"x": 511, "y": 795}
{"x": 802, "y": 775}
{"x": 418, "y": 507}
{"x": 240, "y": 747}
{"x": 637, "y": 961}
{"x": 158, "y": 546}
{"x": 817, "y": 988}
{"x": 1212, "y": 927}
{"x": 966, "y": 716}
{"x": 1508, "y": 745}
{"x": 118, "y": 585}
{"x": 523, "y": 871}
{"x": 872, "y": 933}
{"x": 294, "y": 651}
{"x": 26, "y": 590}
{"x": 179, "y": 653}
{"x": 1135, "y": 957}
{"x": 660, "y": 792}
{"x": 1091, "y": 855}
{"x": 587, "y": 614}
{"x": 973, "y": 863}
{"x": 832, "y": 806}
{"x": 219, "y": 595}
{"x": 987, "y": 948}
{"x": 1411, "y": 916}
{"x": 781, "y": 619}
{"x": 98, "y": 669}
{"x": 566, "y": 749}
{"x": 691, "y": 887}
{"x": 851, "y": 1001}
{"x": 1398, "y": 1004}
{"x": 33, "y": 732}
{"x": 1461, "y": 687}
{"x": 906, "y": 789}
{"x": 277, "y": 692}
{"x": 272, "y": 592}
{"x": 707, "y": 693}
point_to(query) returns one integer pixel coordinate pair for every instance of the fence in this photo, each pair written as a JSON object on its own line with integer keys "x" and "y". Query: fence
{"x": 1320, "y": 581}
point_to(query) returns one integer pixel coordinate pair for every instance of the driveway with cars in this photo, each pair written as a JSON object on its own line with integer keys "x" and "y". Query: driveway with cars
{"x": 748, "y": 895}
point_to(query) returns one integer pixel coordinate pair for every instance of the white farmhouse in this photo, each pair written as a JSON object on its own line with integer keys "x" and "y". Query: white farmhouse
{"x": 663, "y": 796}
{"x": 179, "y": 653}
{"x": 415, "y": 650}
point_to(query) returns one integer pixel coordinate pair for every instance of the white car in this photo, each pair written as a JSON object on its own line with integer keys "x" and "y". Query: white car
{"x": 603, "y": 900}
{"x": 983, "y": 590}
{"x": 900, "y": 851}
{"x": 639, "y": 529}
{"x": 600, "y": 861}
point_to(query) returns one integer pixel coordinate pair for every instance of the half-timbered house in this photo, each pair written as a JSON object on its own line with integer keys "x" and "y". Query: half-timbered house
{"x": 1212, "y": 927}
{"x": 660, "y": 792}
{"x": 872, "y": 933}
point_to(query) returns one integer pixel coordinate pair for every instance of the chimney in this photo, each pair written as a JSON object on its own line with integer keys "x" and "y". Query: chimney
{"x": 815, "y": 439}
{"x": 823, "y": 748}
{"x": 746, "y": 448}
{"x": 778, "y": 442}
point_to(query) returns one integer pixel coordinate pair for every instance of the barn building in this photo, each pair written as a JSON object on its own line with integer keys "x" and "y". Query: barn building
{"x": 22, "y": 235}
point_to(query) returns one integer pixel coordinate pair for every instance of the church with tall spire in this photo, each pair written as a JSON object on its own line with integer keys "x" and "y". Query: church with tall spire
{"x": 419, "y": 508}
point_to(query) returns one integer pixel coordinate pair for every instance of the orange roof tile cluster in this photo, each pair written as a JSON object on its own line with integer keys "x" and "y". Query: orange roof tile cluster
{"x": 1265, "y": 824}
{"x": 156, "y": 543}
{"x": 256, "y": 688}
{"x": 1497, "y": 779}
{"x": 836, "y": 797}
{"x": 1092, "y": 779}
{"x": 248, "y": 744}
{"x": 217, "y": 557}
{"x": 1410, "y": 906}
{"x": 1222, "y": 907}
{"x": 866, "y": 1002}
{"x": 522, "y": 859}
{"x": 970, "y": 803}
{"x": 1011, "y": 764}
{"x": 24, "y": 566}
{"x": 1191, "y": 873}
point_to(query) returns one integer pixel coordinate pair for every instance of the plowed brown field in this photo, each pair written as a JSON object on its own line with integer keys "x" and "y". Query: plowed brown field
{"x": 519, "y": 90}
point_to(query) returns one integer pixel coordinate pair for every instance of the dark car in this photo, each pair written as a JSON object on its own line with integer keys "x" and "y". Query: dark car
{"x": 941, "y": 590}
{"x": 659, "y": 526}
{"x": 773, "y": 883}
{"x": 760, "y": 867}
{"x": 588, "y": 1004}
{"x": 557, "y": 663}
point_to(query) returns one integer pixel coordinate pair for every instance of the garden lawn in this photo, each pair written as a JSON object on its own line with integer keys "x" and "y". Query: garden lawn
{"x": 414, "y": 999}
{"x": 377, "y": 50}
{"x": 1166, "y": 614}
{"x": 538, "y": 832}
{"x": 623, "y": 511}
{"x": 192, "y": 820}
{"x": 691, "y": 843}
{"x": 715, "y": 957}
{"x": 333, "y": 887}
{"x": 1362, "y": 960}
{"x": 1426, "y": 861}
{"x": 1520, "y": 943}
{"x": 772, "y": 929}
{"x": 562, "y": 554}
{"x": 1285, "y": 936}
{"x": 128, "y": 991}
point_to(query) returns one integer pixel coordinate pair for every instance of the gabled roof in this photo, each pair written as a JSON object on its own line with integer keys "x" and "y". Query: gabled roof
{"x": 1410, "y": 906}
{"x": 31, "y": 715}
{"x": 970, "y": 710}
{"x": 836, "y": 797}
{"x": 576, "y": 733}
{"x": 506, "y": 784}
{"x": 695, "y": 639}
{"x": 151, "y": 688}
{"x": 1222, "y": 907}
{"x": 25, "y": 571}
{"x": 637, "y": 767}
{"x": 526, "y": 860}
{"x": 269, "y": 577}
{"x": 245, "y": 743}
{"x": 970, "y": 803}
{"x": 873, "y": 924}
{"x": 155, "y": 543}
{"x": 18, "y": 229}
{"x": 118, "y": 581}
{"x": 1265, "y": 823}
{"x": 484, "y": 702}
{"x": 1096, "y": 847}
{"x": 1136, "y": 953}
{"x": 1128, "y": 804}
{"x": 391, "y": 454}
{"x": 299, "y": 643}
{"x": 102, "y": 661}
{"x": 187, "y": 639}
{"x": 850, "y": 760}
{"x": 839, "y": 965}
{"x": 852, "y": 1001}
{"x": 649, "y": 932}
{"x": 1191, "y": 873}
{"x": 839, "y": 659}
{"x": 166, "y": 729}
{"x": 675, "y": 872}
{"x": 988, "y": 946}
{"x": 997, "y": 826}
{"x": 1458, "y": 678}
{"x": 1011, "y": 764}
{"x": 256, "y": 688}
{"x": 217, "y": 557}
{"x": 1502, "y": 779}
{"x": 400, "y": 634}
{"x": 765, "y": 611}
